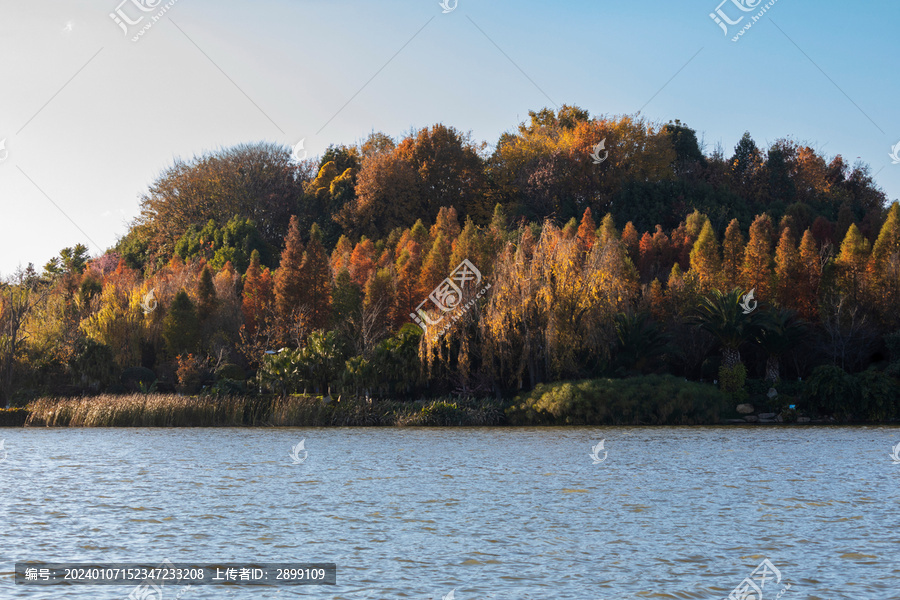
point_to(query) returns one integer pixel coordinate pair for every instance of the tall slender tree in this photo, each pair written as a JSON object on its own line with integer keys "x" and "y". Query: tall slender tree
{"x": 757, "y": 270}
{"x": 787, "y": 270}
{"x": 289, "y": 281}
{"x": 705, "y": 260}
{"x": 732, "y": 255}
{"x": 316, "y": 277}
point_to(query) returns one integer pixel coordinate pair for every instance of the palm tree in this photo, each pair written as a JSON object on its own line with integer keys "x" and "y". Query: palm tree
{"x": 639, "y": 342}
{"x": 781, "y": 331}
{"x": 722, "y": 315}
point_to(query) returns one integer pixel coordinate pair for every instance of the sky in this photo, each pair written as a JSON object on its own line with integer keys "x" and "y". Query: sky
{"x": 89, "y": 118}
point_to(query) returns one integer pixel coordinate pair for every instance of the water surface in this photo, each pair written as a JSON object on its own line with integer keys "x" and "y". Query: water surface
{"x": 489, "y": 512}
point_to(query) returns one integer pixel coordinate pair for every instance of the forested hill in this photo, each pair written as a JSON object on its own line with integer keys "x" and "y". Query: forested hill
{"x": 600, "y": 247}
{"x": 650, "y": 175}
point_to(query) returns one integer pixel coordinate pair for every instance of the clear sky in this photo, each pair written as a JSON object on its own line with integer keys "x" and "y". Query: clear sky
{"x": 90, "y": 118}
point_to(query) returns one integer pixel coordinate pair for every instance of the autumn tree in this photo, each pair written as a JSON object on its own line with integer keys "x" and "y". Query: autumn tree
{"x": 810, "y": 266}
{"x": 258, "y": 295}
{"x": 732, "y": 255}
{"x": 884, "y": 265}
{"x": 757, "y": 270}
{"x": 632, "y": 242}
{"x": 851, "y": 263}
{"x": 289, "y": 279}
{"x": 253, "y": 181}
{"x": 587, "y": 231}
{"x": 388, "y": 190}
{"x": 315, "y": 273}
{"x": 705, "y": 260}
{"x": 436, "y": 266}
{"x": 362, "y": 261}
{"x": 787, "y": 270}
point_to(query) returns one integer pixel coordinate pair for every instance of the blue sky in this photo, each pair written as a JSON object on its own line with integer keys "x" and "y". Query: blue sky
{"x": 90, "y": 118}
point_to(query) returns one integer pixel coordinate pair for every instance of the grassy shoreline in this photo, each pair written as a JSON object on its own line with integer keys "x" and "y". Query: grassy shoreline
{"x": 169, "y": 410}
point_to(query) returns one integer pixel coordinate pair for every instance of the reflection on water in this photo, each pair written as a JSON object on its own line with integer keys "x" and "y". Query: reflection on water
{"x": 490, "y": 513}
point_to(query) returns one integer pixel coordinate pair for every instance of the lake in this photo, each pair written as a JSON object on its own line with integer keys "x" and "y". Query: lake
{"x": 505, "y": 513}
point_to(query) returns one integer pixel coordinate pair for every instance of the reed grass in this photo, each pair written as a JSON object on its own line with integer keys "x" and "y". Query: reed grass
{"x": 169, "y": 410}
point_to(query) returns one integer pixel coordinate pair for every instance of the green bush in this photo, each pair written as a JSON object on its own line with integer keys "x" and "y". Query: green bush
{"x": 442, "y": 413}
{"x": 650, "y": 400}
{"x": 879, "y": 396}
{"x": 732, "y": 380}
{"x": 832, "y": 391}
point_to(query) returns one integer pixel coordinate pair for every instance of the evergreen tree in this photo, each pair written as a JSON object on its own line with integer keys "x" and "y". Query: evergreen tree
{"x": 206, "y": 295}
{"x": 346, "y": 298}
{"x": 181, "y": 326}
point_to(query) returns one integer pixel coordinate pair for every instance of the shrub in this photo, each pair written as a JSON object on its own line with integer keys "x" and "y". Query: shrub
{"x": 832, "y": 391}
{"x": 731, "y": 381}
{"x": 879, "y": 396}
{"x": 650, "y": 400}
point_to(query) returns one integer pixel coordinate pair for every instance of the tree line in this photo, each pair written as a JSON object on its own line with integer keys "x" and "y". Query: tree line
{"x": 247, "y": 270}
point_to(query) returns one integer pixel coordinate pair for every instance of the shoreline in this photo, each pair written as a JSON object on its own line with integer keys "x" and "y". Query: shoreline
{"x": 168, "y": 411}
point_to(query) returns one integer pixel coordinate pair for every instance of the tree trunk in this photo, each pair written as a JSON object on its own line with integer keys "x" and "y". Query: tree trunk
{"x": 773, "y": 372}
{"x": 731, "y": 357}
